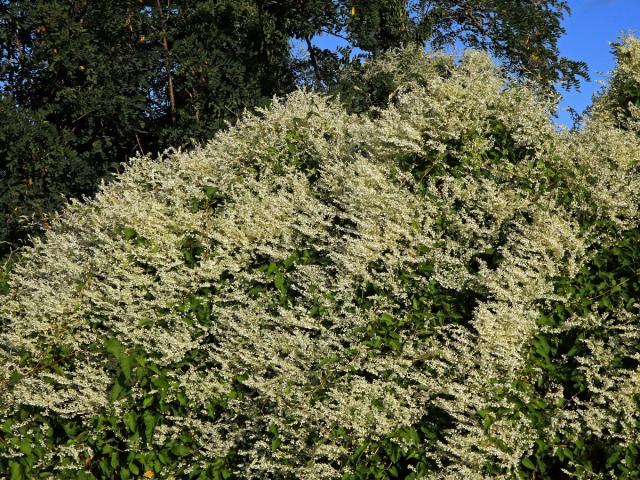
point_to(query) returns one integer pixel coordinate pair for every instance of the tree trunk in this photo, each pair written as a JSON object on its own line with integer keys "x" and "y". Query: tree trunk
{"x": 167, "y": 62}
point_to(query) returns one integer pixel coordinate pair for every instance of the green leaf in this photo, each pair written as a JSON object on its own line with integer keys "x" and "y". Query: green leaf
{"x": 131, "y": 421}
{"x": 126, "y": 364}
{"x": 279, "y": 282}
{"x": 114, "y": 347}
{"x": 528, "y": 464}
{"x": 133, "y": 468}
{"x": 116, "y": 391}
{"x": 149, "y": 420}
{"x": 129, "y": 233}
{"x": 180, "y": 450}
{"x": 15, "y": 471}
{"x": 25, "y": 446}
{"x": 275, "y": 440}
{"x": 613, "y": 458}
{"x": 6, "y": 426}
{"x": 275, "y": 444}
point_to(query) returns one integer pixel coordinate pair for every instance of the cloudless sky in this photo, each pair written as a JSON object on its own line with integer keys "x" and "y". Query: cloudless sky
{"x": 591, "y": 27}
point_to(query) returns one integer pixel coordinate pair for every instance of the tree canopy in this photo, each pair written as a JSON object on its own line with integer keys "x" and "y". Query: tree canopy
{"x": 523, "y": 35}
{"x": 86, "y": 85}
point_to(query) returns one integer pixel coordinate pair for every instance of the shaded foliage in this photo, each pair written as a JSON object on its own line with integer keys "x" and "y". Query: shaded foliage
{"x": 86, "y": 85}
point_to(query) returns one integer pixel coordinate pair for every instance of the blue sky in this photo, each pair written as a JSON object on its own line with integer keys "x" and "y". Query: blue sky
{"x": 591, "y": 27}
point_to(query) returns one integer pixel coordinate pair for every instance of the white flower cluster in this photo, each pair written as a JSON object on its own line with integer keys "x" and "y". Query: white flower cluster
{"x": 463, "y": 173}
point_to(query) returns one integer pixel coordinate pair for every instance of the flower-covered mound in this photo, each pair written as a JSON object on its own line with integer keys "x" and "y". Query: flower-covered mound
{"x": 416, "y": 293}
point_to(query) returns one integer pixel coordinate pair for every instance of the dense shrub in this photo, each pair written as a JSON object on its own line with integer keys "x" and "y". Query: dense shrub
{"x": 445, "y": 289}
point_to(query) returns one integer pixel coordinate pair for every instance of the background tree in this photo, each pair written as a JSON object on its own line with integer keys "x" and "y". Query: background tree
{"x": 216, "y": 58}
{"x": 73, "y": 101}
{"x": 87, "y": 84}
{"x": 522, "y": 35}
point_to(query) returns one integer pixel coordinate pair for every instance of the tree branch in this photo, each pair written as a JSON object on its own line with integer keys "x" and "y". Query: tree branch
{"x": 314, "y": 60}
{"x": 165, "y": 45}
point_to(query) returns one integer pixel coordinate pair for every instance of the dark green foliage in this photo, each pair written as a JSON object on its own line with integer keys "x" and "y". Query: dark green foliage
{"x": 523, "y": 35}
{"x": 224, "y": 56}
{"x": 607, "y": 283}
{"x": 73, "y": 102}
{"x": 376, "y": 26}
{"x": 37, "y": 163}
{"x": 86, "y": 85}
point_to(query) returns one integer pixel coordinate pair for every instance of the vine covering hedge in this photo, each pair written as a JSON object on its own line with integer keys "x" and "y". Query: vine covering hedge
{"x": 446, "y": 288}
